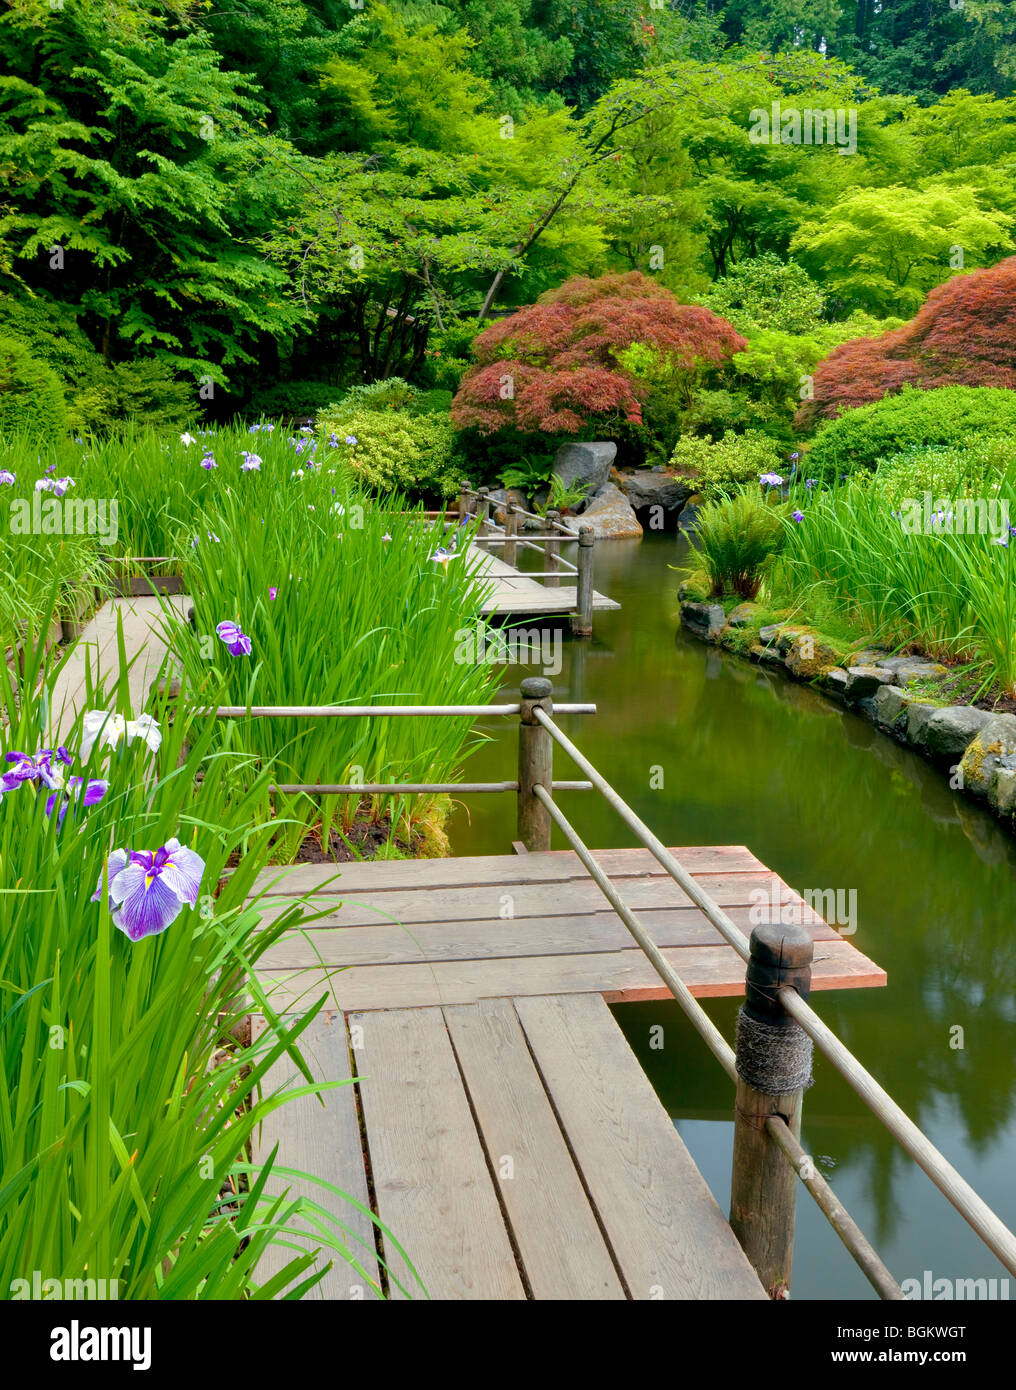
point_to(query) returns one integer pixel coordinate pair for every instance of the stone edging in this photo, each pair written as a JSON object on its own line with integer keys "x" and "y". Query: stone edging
{"x": 975, "y": 748}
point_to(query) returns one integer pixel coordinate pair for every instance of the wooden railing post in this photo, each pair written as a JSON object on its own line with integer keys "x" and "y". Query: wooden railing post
{"x": 511, "y": 531}
{"x": 465, "y": 499}
{"x": 483, "y": 510}
{"x": 582, "y": 618}
{"x": 536, "y": 763}
{"x": 773, "y": 1057}
{"x": 552, "y": 548}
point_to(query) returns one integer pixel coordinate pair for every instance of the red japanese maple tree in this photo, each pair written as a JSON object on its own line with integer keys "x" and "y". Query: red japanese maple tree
{"x": 963, "y": 335}
{"x": 554, "y": 365}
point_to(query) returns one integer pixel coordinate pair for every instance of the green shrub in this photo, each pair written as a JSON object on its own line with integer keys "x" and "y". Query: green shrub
{"x": 952, "y": 416}
{"x": 716, "y": 468}
{"x": 110, "y": 398}
{"x": 398, "y": 451}
{"x": 449, "y": 355}
{"x": 736, "y": 537}
{"x": 529, "y": 474}
{"x": 291, "y": 399}
{"x": 767, "y": 293}
{"x": 31, "y": 396}
{"x": 945, "y": 472}
{"x": 48, "y": 329}
{"x": 392, "y": 394}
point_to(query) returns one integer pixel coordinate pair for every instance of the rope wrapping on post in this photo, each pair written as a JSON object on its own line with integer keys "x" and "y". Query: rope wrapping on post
{"x": 773, "y": 1058}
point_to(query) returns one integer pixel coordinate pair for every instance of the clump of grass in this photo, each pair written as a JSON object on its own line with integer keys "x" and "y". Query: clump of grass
{"x": 951, "y": 595}
{"x": 344, "y": 604}
{"x": 736, "y": 538}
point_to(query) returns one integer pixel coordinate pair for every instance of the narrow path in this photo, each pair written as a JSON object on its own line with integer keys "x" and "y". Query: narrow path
{"x": 96, "y": 651}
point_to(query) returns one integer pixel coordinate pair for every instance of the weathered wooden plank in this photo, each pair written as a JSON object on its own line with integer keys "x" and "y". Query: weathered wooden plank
{"x": 325, "y": 1143}
{"x": 544, "y": 867}
{"x": 620, "y": 976}
{"x": 560, "y": 1244}
{"x": 97, "y": 648}
{"x": 572, "y": 898}
{"x": 667, "y": 1233}
{"x": 489, "y": 940}
{"x": 431, "y": 1183}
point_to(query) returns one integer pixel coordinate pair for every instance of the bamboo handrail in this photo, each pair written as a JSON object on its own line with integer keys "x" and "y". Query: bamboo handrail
{"x": 853, "y": 1238}
{"x": 412, "y": 788}
{"x": 375, "y": 711}
{"x": 974, "y": 1210}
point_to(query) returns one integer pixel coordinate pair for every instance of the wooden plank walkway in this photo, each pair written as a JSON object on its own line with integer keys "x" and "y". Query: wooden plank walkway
{"x": 96, "y": 649}
{"x": 515, "y": 594}
{"x": 453, "y": 931}
{"x": 510, "y": 1140}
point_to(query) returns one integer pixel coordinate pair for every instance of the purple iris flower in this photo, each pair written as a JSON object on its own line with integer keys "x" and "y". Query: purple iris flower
{"x": 93, "y": 792}
{"x": 811, "y": 482}
{"x": 55, "y": 485}
{"x": 37, "y": 769}
{"x": 798, "y": 516}
{"x": 272, "y": 592}
{"x": 7, "y": 479}
{"x": 148, "y": 889}
{"x": 250, "y": 461}
{"x": 350, "y": 438}
{"x": 208, "y": 463}
{"x": 770, "y": 480}
{"x": 236, "y": 641}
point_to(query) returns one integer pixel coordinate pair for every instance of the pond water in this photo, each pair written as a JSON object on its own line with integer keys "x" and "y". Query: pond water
{"x": 751, "y": 758}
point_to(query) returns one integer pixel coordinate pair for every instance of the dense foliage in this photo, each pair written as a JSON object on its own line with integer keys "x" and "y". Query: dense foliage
{"x": 559, "y": 366}
{"x": 325, "y": 195}
{"x": 964, "y": 334}
{"x": 956, "y": 416}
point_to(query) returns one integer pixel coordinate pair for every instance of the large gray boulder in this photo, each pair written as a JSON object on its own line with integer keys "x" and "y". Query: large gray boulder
{"x": 863, "y": 681}
{"x": 588, "y": 464}
{"x": 991, "y": 751}
{"x": 906, "y": 670}
{"x": 609, "y": 513}
{"x": 704, "y": 619}
{"x": 948, "y": 731}
{"x": 888, "y": 704}
{"x": 646, "y": 488}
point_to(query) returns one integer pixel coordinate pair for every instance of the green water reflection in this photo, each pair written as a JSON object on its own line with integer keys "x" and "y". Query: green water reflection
{"x": 750, "y": 758}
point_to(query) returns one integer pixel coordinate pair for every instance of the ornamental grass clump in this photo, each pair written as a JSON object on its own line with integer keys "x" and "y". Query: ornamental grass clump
{"x": 126, "y": 1112}
{"x": 913, "y": 570}
{"x": 736, "y": 539}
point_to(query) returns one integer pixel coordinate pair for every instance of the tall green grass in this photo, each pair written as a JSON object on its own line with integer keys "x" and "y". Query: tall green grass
{"x": 125, "y": 1116}
{"x": 953, "y": 595}
{"x": 343, "y": 605}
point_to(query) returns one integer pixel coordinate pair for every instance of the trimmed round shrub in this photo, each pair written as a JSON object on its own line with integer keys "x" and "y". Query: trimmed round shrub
{"x": 717, "y": 468}
{"x": 945, "y": 472}
{"x": 31, "y": 394}
{"x": 396, "y": 451}
{"x": 951, "y": 416}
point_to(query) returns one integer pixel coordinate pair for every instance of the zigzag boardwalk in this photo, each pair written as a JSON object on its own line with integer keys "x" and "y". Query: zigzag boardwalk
{"x": 514, "y": 1146}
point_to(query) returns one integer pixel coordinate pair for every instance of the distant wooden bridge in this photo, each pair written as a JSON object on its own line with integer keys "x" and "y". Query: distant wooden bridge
{"x": 512, "y": 593}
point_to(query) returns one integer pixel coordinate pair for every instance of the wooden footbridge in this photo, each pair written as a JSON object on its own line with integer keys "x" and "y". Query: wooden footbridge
{"x": 511, "y": 1141}
{"x": 508, "y": 592}
{"x": 493, "y": 1135}
{"x": 497, "y": 1135}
